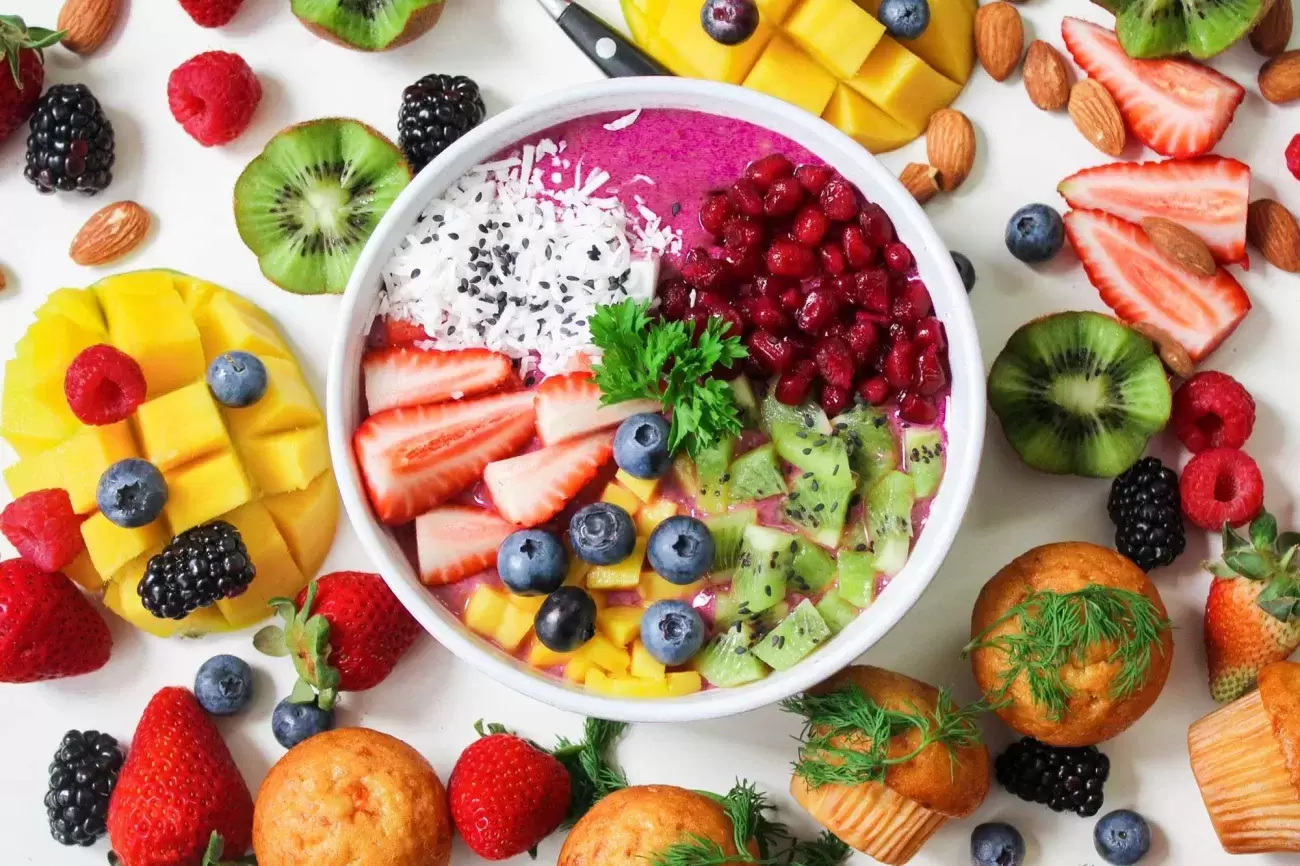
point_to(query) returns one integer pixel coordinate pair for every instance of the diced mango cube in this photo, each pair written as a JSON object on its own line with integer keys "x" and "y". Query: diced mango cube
{"x": 578, "y": 568}
{"x": 485, "y": 610}
{"x": 654, "y": 514}
{"x": 123, "y": 598}
{"x": 201, "y": 491}
{"x": 225, "y": 327}
{"x": 196, "y": 293}
{"x": 606, "y": 655}
{"x": 838, "y": 33}
{"x": 645, "y": 665}
{"x": 78, "y": 305}
{"x": 530, "y": 604}
{"x": 286, "y": 461}
{"x": 775, "y": 10}
{"x": 684, "y": 683}
{"x": 74, "y": 466}
{"x": 148, "y": 320}
{"x": 277, "y": 574}
{"x": 82, "y": 571}
{"x": 643, "y": 488}
{"x": 111, "y": 546}
{"x": 625, "y": 687}
{"x": 515, "y": 625}
{"x": 34, "y": 413}
{"x": 869, "y": 126}
{"x": 287, "y": 404}
{"x": 900, "y": 83}
{"x": 948, "y": 42}
{"x": 307, "y": 520}
{"x": 542, "y": 656}
{"x": 680, "y": 26}
{"x": 181, "y": 426}
{"x": 786, "y": 72}
{"x": 654, "y": 588}
{"x": 617, "y": 494}
{"x": 53, "y": 342}
{"x": 620, "y": 624}
{"x": 576, "y": 668}
{"x": 620, "y": 575}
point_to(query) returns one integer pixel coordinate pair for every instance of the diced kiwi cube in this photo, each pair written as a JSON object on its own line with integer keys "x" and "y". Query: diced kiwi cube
{"x": 766, "y": 556}
{"x": 776, "y": 418}
{"x": 889, "y": 520}
{"x": 711, "y": 471}
{"x": 872, "y": 448}
{"x": 923, "y": 449}
{"x": 837, "y": 613}
{"x": 857, "y": 577}
{"x": 756, "y": 475}
{"x": 727, "y": 661}
{"x": 813, "y": 568}
{"x": 743, "y": 393}
{"x": 794, "y": 639}
{"x": 820, "y": 506}
{"x": 728, "y": 531}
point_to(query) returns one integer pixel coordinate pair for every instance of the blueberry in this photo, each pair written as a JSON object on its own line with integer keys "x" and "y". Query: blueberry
{"x": 292, "y": 723}
{"x": 641, "y": 446}
{"x": 996, "y": 844}
{"x": 237, "y": 379}
{"x": 131, "y": 493}
{"x": 224, "y": 685}
{"x": 729, "y": 22}
{"x": 672, "y": 631}
{"x": 1035, "y": 233}
{"x": 905, "y": 19}
{"x": 680, "y": 550}
{"x": 532, "y": 562}
{"x": 566, "y": 620}
{"x": 1122, "y": 837}
{"x": 966, "y": 269}
{"x": 602, "y": 533}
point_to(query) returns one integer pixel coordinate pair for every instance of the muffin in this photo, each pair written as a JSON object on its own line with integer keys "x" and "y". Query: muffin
{"x": 1107, "y": 672}
{"x": 352, "y": 797}
{"x": 889, "y": 819}
{"x": 1246, "y": 759}
{"x": 630, "y": 827}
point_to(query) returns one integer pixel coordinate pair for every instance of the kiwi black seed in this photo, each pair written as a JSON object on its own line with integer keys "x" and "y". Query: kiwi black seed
{"x": 307, "y": 205}
{"x": 369, "y": 25}
{"x": 1202, "y": 28}
{"x": 1079, "y": 393}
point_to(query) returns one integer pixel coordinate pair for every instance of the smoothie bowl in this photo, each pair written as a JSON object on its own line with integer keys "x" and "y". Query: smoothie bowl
{"x": 656, "y": 400}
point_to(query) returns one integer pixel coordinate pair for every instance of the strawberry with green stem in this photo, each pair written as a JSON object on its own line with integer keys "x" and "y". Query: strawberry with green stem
{"x": 21, "y": 50}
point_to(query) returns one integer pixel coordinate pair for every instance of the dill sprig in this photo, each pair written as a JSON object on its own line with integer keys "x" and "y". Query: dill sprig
{"x": 1059, "y": 628}
{"x": 846, "y": 735}
{"x": 826, "y": 850}
{"x": 593, "y": 773}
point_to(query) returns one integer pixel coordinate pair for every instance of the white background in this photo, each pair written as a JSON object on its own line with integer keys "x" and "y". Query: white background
{"x": 432, "y": 701}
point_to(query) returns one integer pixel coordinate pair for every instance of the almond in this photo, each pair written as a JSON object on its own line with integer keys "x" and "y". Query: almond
{"x": 1096, "y": 115}
{"x": 1047, "y": 78}
{"x": 3, "y": 280}
{"x": 999, "y": 38}
{"x": 950, "y": 146}
{"x": 1180, "y": 245}
{"x": 110, "y": 234}
{"x": 1273, "y": 32}
{"x": 1171, "y": 352}
{"x": 1273, "y": 230}
{"x": 1279, "y": 79}
{"x": 88, "y": 23}
{"x": 921, "y": 180}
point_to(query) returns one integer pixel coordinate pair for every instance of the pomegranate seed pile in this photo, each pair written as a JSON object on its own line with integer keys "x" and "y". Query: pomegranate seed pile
{"x": 824, "y": 295}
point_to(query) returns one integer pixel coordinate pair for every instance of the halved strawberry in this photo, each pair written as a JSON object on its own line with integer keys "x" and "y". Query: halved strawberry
{"x": 1208, "y": 195}
{"x": 1141, "y": 285}
{"x": 569, "y": 406}
{"x": 389, "y": 331}
{"x": 413, "y": 459}
{"x": 1175, "y": 107}
{"x": 407, "y": 376}
{"x": 534, "y": 487}
{"x": 457, "y": 541}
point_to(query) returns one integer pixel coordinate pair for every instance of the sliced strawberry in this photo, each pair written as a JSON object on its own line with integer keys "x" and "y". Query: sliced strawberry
{"x": 388, "y": 331}
{"x": 457, "y": 541}
{"x": 413, "y": 459}
{"x": 407, "y": 376}
{"x": 1141, "y": 285}
{"x": 1208, "y": 195}
{"x": 1176, "y": 107}
{"x": 534, "y": 487}
{"x": 569, "y": 406}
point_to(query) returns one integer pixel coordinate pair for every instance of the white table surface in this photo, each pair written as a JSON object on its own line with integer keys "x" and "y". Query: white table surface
{"x": 432, "y": 700}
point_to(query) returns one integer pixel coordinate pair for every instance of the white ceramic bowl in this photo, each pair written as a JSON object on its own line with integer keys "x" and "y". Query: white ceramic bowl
{"x": 965, "y": 414}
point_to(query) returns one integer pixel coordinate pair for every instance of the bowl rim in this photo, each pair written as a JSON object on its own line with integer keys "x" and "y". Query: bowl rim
{"x": 965, "y": 411}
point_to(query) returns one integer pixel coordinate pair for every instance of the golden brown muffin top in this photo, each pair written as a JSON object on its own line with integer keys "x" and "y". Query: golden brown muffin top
{"x": 1091, "y": 710}
{"x": 1279, "y": 687}
{"x": 950, "y": 781}
{"x": 352, "y": 797}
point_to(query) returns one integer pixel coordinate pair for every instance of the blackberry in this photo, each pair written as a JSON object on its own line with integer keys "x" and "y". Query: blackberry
{"x": 82, "y": 777}
{"x": 1145, "y": 508}
{"x": 1063, "y": 779}
{"x": 437, "y": 110}
{"x": 70, "y": 147}
{"x": 1147, "y": 482}
{"x": 198, "y": 567}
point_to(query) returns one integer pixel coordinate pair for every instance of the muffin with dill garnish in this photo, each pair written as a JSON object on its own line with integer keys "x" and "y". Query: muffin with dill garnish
{"x": 886, "y": 760}
{"x": 1070, "y": 643}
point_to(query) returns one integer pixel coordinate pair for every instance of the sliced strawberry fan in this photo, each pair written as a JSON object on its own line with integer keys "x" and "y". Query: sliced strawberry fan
{"x": 534, "y": 487}
{"x": 570, "y": 405}
{"x": 457, "y": 541}
{"x": 400, "y": 376}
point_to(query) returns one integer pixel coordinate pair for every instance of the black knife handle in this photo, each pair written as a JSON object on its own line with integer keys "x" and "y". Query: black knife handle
{"x": 608, "y": 49}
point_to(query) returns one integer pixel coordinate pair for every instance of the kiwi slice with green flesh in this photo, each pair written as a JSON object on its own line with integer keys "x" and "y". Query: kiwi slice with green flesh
{"x": 756, "y": 475}
{"x": 1079, "y": 393}
{"x": 726, "y": 660}
{"x": 818, "y": 502}
{"x": 1152, "y": 28}
{"x": 369, "y": 25}
{"x": 770, "y": 619}
{"x": 872, "y": 448}
{"x": 309, "y": 202}
{"x": 857, "y": 577}
{"x": 1203, "y": 28}
{"x": 889, "y": 521}
{"x": 728, "y": 530}
{"x": 837, "y": 613}
{"x": 760, "y": 579}
{"x": 812, "y": 568}
{"x": 743, "y": 393}
{"x": 794, "y": 639}
{"x": 855, "y": 534}
{"x": 776, "y": 418}
{"x": 924, "y": 451}
{"x": 711, "y": 473}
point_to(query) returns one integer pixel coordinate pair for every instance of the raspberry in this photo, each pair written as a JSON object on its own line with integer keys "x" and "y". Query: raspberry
{"x": 43, "y": 528}
{"x": 1293, "y": 156}
{"x": 103, "y": 385}
{"x": 1222, "y": 485}
{"x": 1212, "y": 410}
{"x": 213, "y": 96}
{"x": 211, "y": 13}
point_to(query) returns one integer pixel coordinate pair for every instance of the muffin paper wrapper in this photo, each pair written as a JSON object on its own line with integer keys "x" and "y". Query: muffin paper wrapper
{"x": 871, "y": 818}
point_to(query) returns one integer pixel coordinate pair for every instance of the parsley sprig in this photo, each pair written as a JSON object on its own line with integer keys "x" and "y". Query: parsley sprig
{"x": 1059, "y": 628}
{"x": 646, "y": 358}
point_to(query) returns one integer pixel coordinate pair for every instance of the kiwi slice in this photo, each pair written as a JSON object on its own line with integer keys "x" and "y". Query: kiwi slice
{"x": 307, "y": 205}
{"x": 857, "y": 584}
{"x": 837, "y": 613}
{"x": 726, "y": 660}
{"x": 818, "y": 502}
{"x": 866, "y": 433}
{"x": 711, "y": 472}
{"x": 778, "y": 420}
{"x": 368, "y": 25}
{"x": 1202, "y": 28}
{"x": 728, "y": 530}
{"x": 1079, "y": 393}
{"x": 743, "y": 393}
{"x": 756, "y": 475}
{"x": 794, "y": 639}
{"x": 765, "y": 560}
{"x": 812, "y": 568}
{"x": 889, "y": 520}
{"x": 923, "y": 448}
{"x": 1152, "y": 28}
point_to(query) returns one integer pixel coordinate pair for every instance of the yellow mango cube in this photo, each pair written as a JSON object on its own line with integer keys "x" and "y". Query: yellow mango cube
{"x": 649, "y": 517}
{"x": 948, "y": 42}
{"x": 181, "y": 426}
{"x": 684, "y": 683}
{"x": 620, "y": 624}
{"x": 75, "y": 466}
{"x": 530, "y": 604}
{"x": 617, "y": 494}
{"x": 645, "y": 665}
{"x": 869, "y": 126}
{"x": 52, "y": 343}
{"x": 204, "y": 490}
{"x": 307, "y": 520}
{"x": 786, "y": 72}
{"x": 577, "y": 574}
{"x": 620, "y": 575}
{"x": 515, "y": 625}
{"x": 287, "y": 404}
{"x": 680, "y": 26}
{"x": 286, "y": 461}
{"x": 277, "y": 574}
{"x": 82, "y": 571}
{"x": 148, "y": 320}
{"x": 78, "y": 305}
{"x": 485, "y": 610}
{"x": 901, "y": 84}
{"x": 34, "y": 413}
{"x": 224, "y": 326}
{"x": 606, "y": 655}
{"x": 625, "y": 687}
{"x": 643, "y": 488}
{"x": 654, "y": 588}
{"x": 838, "y": 33}
{"x": 775, "y": 10}
{"x": 576, "y": 668}
{"x": 111, "y": 546}
{"x": 542, "y": 656}
{"x": 123, "y": 598}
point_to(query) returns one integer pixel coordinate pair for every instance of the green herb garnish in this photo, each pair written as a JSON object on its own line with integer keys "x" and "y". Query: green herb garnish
{"x": 846, "y": 735}
{"x": 1059, "y": 628}
{"x": 593, "y": 773}
{"x": 645, "y": 358}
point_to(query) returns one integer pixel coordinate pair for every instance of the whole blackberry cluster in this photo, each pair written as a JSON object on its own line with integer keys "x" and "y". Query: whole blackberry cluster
{"x": 1063, "y": 779}
{"x": 70, "y": 147}
{"x": 437, "y": 110}
{"x": 198, "y": 567}
{"x": 1145, "y": 508}
{"x": 82, "y": 777}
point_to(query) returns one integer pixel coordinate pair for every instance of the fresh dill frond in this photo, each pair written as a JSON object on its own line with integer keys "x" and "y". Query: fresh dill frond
{"x": 695, "y": 851}
{"x": 593, "y": 772}
{"x": 826, "y": 850}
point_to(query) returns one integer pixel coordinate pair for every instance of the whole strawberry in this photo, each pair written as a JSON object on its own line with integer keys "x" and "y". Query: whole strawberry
{"x": 211, "y": 13}
{"x": 48, "y": 629}
{"x": 178, "y": 787}
{"x": 1252, "y": 616}
{"x": 507, "y": 795}
{"x": 20, "y": 87}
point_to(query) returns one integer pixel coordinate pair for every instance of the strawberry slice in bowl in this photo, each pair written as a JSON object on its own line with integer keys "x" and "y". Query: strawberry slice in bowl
{"x": 458, "y": 541}
{"x": 570, "y": 406}
{"x": 406, "y": 376}
{"x": 534, "y": 487}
